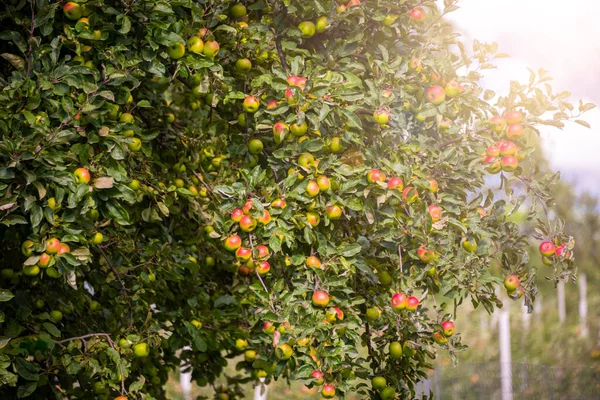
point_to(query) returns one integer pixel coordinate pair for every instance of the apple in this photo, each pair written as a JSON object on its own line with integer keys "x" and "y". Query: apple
{"x": 410, "y": 194}
{"x": 425, "y": 254}
{"x": 511, "y": 283}
{"x": 498, "y": 124}
{"x": 439, "y": 338}
{"x": 211, "y": 48}
{"x": 547, "y": 249}
{"x": 289, "y": 97}
{"x": 444, "y": 125}
{"x": 395, "y": 183}
{"x": 322, "y": 24}
{"x": 378, "y": 382}
{"x": 453, "y": 89}
{"x": 435, "y": 212}
{"x": 313, "y": 262}
{"x": 263, "y": 252}
{"x": 507, "y": 148}
{"x": 243, "y": 65}
{"x": 492, "y": 151}
{"x": 353, "y": 3}
{"x": 176, "y": 50}
{"x": 306, "y": 160}
{"x": 493, "y": 166}
{"x": 241, "y": 344}
{"x": 416, "y": 64}
{"x": 247, "y": 206}
{"x": 320, "y": 299}
{"x": 375, "y": 175}
{"x": 134, "y": 144}
{"x": 263, "y": 267}
{"x": 515, "y": 131}
{"x": 141, "y": 350}
{"x": 387, "y": 393}
{"x": 312, "y": 189}
{"x": 509, "y": 163}
{"x": 279, "y": 203}
{"x": 433, "y": 185}
{"x": 247, "y": 223}
{"x": 195, "y": 44}
{"x": 82, "y": 175}
{"x": 436, "y": 95}
{"x": 265, "y": 218}
{"x": 284, "y": 351}
{"x": 272, "y": 104}
{"x": 308, "y": 29}
{"x": 297, "y": 81}
{"x": 97, "y": 238}
{"x": 56, "y": 316}
{"x": 44, "y": 260}
{"x": 396, "y": 350}
{"x": 280, "y": 131}
{"x": 237, "y": 11}
{"x": 373, "y": 314}
{"x": 243, "y": 253}
{"x": 417, "y": 14}
{"x": 251, "y": 104}
{"x": 412, "y": 303}
{"x": 562, "y": 251}
{"x": 334, "y": 314}
{"x": 64, "y": 248}
{"x": 469, "y": 245}
{"x": 323, "y": 182}
{"x": 26, "y": 248}
{"x": 313, "y": 218}
{"x": 237, "y": 215}
{"x": 299, "y": 129}
{"x": 72, "y": 11}
{"x": 399, "y": 301}
{"x": 333, "y": 211}
{"x": 381, "y": 116}
{"x": 318, "y": 377}
{"x": 255, "y": 146}
{"x": 448, "y": 327}
{"x": 233, "y": 242}
{"x": 328, "y": 391}
{"x": 514, "y": 117}
{"x": 389, "y": 19}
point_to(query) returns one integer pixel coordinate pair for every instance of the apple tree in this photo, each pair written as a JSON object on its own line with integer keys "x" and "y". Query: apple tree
{"x": 307, "y": 189}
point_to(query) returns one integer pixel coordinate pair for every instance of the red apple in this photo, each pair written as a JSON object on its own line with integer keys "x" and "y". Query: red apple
{"x": 425, "y": 254}
{"x": 251, "y": 104}
{"x": 269, "y": 328}
{"x": 333, "y": 211}
{"x": 435, "y": 212}
{"x": 323, "y": 182}
{"x": 492, "y": 151}
{"x": 439, "y": 338}
{"x": 312, "y": 189}
{"x": 64, "y": 248}
{"x": 243, "y": 253}
{"x": 247, "y": 207}
{"x": 320, "y": 299}
{"x": 433, "y": 185}
{"x": 272, "y": 104}
{"x": 448, "y": 327}
{"x": 265, "y": 218}
{"x": 515, "y": 131}
{"x": 395, "y": 183}
{"x": 328, "y": 390}
{"x": 417, "y": 14}
{"x": 294, "y": 80}
{"x": 511, "y": 283}
{"x": 237, "y": 215}
{"x": 493, "y": 166}
{"x": 562, "y": 251}
{"x": 313, "y": 262}
{"x": 399, "y": 301}
{"x": 82, "y": 175}
{"x": 233, "y": 242}
{"x": 52, "y": 246}
{"x": 318, "y": 377}
{"x": 289, "y": 97}
{"x": 263, "y": 252}
{"x": 509, "y": 163}
{"x": 313, "y": 218}
{"x": 410, "y": 194}
{"x": 514, "y": 117}
{"x": 247, "y": 223}
{"x": 280, "y": 131}
{"x": 508, "y": 148}
{"x": 375, "y": 175}
{"x": 279, "y": 203}
{"x": 498, "y": 124}
{"x": 412, "y": 303}
{"x": 263, "y": 267}
{"x": 453, "y": 89}
{"x": 44, "y": 260}
{"x": 547, "y": 249}
{"x": 436, "y": 95}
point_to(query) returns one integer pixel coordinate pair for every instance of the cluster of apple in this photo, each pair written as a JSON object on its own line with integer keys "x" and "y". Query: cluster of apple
{"x": 505, "y": 155}
{"x": 441, "y": 337}
{"x": 344, "y": 5}
{"x": 549, "y": 251}
{"x": 309, "y": 28}
{"x": 513, "y": 286}
{"x": 401, "y": 302}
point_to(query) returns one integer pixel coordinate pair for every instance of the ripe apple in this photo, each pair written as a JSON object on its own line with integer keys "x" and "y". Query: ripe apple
{"x": 44, "y": 260}
{"x": 141, "y": 350}
{"x": 299, "y": 129}
{"x": 439, "y": 338}
{"x": 412, "y": 303}
{"x": 251, "y": 104}
{"x": 381, "y": 116}
{"x": 323, "y": 182}
{"x": 562, "y": 251}
{"x": 64, "y": 248}
{"x": 289, "y": 97}
{"x": 26, "y": 248}
{"x": 232, "y": 243}
{"x": 417, "y": 14}
{"x": 263, "y": 267}
{"x": 492, "y": 151}
{"x": 297, "y": 81}
{"x": 333, "y": 211}
{"x": 263, "y": 252}
{"x": 72, "y": 11}
{"x": 509, "y": 163}
{"x": 399, "y": 301}
{"x": 320, "y": 299}
{"x": 278, "y": 203}
{"x": 375, "y": 175}
{"x": 322, "y": 24}
{"x": 448, "y": 327}
{"x": 453, "y": 89}
{"x": 82, "y": 175}
{"x": 247, "y": 223}
{"x": 395, "y": 183}
{"x": 511, "y": 283}
{"x": 433, "y": 185}
{"x": 396, "y": 350}
{"x": 514, "y": 117}
{"x": 265, "y": 218}
{"x": 237, "y": 11}
{"x": 313, "y": 218}
{"x": 334, "y": 314}
{"x": 436, "y": 95}
{"x": 306, "y": 160}
{"x": 313, "y": 262}
{"x": 318, "y": 377}
{"x": 444, "y": 125}
{"x": 353, "y": 3}
{"x": 211, "y": 48}
{"x": 410, "y": 194}
{"x": 176, "y": 50}
{"x": 280, "y": 131}
{"x": 312, "y": 189}
{"x": 97, "y": 238}
{"x": 435, "y": 212}
{"x": 498, "y": 124}
{"x": 328, "y": 391}
{"x": 284, "y": 351}
{"x": 241, "y": 344}
{"x": 547, "y": 249}
{"x": 247, "y": 206}
{"x": 515, "y": 131}
{"x": 508, "y": 148}
{"x": 195, "y": 44}
{"x": 493, "y": 166}
{"x": 243, "y": 253}
{"x": 308, "y": 29}
{"x": 425, "y": 254}
{"x": 250, "y": 355}
{"x": 469, "y": 245}
{"x": 237, "y": 215}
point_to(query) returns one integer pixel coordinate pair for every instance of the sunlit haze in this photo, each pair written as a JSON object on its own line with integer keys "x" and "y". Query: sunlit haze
{"x": 561, "y": 37}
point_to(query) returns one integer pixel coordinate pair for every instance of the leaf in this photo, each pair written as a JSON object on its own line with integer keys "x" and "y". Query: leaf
{"x": 26, "y": 389}
{"x": 349, "y": 250}
{"x": 16, "y": 61}
{"x": 40, "y": 188}
{"x": 5, "y": 295}
{"x": 26, "y": 369}
{"x": 4, "y": 341}
{"x": 137, "y": 385}
{"x": 126, "y": 25}
{"x": 583, "y": 123}
{"x": 105, "y": 182}
{"x": 225, "y": 300}
{"x": 51, "y": 329}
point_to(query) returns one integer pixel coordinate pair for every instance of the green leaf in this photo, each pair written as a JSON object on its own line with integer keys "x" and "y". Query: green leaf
{"x": 51, "y": 329}
{"x": 4, "y": 341}
{"x": 6, "y": 295}
{"x": 26, "y": 389}
{"x": 26, "y": 370}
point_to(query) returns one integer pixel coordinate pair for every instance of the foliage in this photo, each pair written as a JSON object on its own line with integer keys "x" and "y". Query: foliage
{"x": 168, "y": 139}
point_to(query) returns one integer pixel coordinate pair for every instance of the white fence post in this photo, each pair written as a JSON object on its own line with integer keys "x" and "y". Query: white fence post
{"x": 562, "y": 310}
{"x": 505, "y": 358}
{"x": 260, "y": 390}
{"x": 185, "y": 381}
{"x": 583, "y": 308}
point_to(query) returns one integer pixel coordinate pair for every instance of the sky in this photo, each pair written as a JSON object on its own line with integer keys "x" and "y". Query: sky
{"x": 563, "y": 37}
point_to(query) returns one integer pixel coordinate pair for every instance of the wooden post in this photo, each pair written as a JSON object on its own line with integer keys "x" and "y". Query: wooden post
{"x": 505, "y": 357}
{"x": 562, "y": 311}
{"x": 583, "y": 308}
{"x": 260, "y": 390}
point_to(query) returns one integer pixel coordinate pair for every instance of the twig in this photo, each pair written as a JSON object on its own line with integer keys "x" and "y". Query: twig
{"x": 370, "y": 346}
{"x": 89, "y": 335}
{"x": 260, "y": 278}
{"x": 280, "y": 9}
{"x": 31, "y": 30}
